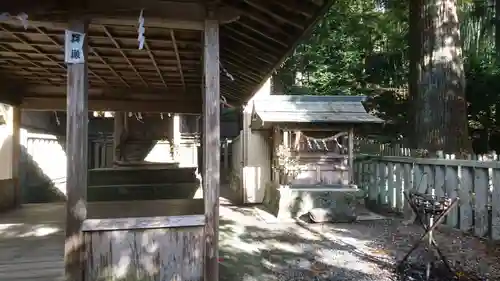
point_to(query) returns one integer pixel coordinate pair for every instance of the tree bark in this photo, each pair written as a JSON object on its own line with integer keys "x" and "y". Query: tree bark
{"x": 437, "y": 86}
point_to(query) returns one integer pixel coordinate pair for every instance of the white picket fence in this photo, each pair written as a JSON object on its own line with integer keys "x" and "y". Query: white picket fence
{"x": 397, "y": 149}
{"x": 476, "y": 183}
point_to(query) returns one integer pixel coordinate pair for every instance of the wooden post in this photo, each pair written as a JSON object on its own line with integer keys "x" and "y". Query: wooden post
{"x": 351, "y": 155}
{"x": 76, "y": 150}
{"x": 211, "y": 148}
{"x": 176, "y": 137}
{"x": 226, "y": 155}
{"x": 16, "y": 154}
{"x": 286, "y": 138}
{"x": 118, "y": 125}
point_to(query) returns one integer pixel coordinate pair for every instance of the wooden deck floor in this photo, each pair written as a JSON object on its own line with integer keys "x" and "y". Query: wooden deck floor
{"x": 32, "y": 237}
{"x": 32, "y": 240}
{"x": 32, "y": 243}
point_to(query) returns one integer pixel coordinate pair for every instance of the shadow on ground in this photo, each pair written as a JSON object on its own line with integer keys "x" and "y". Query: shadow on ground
{"x": 254, "y": 250}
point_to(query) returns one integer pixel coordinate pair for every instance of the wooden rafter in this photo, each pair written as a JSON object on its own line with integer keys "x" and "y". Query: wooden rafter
{"x": 256, "y": 16}
{"x": 179, "y": 65}
{"x": 109, "y": 66}
{"x": 243, "y": 63}
{"x": 305, "y": 8}
{"x": 117, "y": 45}
{"x": 37, "y": 50}
{"x": 246, "y": 59}
{"x": 259, "y": 5}
{"x": 152, "y": 57}
{"x": 29, "y": 72}
{"x": 250, "y": 47}
{"x": 263, "y": 34}
{"x": 242, "y": 34}
{"x": 247, "y": 50}
{"x": 24, "y": 58}
{"x": 62, "y": 48}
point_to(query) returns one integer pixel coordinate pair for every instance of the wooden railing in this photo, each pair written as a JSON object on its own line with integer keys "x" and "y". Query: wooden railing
{"x": 476, "y": 183}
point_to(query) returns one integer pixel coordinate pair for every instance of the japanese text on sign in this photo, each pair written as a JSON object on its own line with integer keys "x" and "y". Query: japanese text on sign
{"x": 74, "y": 47}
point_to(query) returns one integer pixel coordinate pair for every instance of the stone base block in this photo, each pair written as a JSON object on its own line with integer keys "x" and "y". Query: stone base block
{"x": 287, "y": 202}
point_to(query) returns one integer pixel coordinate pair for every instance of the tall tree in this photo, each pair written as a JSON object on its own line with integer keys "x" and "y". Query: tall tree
{"x": 438, "y": 94}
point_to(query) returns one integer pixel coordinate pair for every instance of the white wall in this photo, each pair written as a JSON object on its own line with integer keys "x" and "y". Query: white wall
{"x": 256, "y": 153}
{"x": 5, "y": 152}
{"x": 48, "y": 155}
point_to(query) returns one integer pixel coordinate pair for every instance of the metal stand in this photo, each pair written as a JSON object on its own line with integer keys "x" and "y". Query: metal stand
{"x": 434, "y": 211}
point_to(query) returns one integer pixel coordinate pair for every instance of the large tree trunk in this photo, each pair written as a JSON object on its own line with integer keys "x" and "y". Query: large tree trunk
{"x": 496, "y": 135}
{"x": 438, "y": 82}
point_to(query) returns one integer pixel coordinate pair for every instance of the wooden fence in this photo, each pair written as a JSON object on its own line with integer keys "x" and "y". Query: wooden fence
{"x": 369, "y": 147}
{"x": 476, "y": 183}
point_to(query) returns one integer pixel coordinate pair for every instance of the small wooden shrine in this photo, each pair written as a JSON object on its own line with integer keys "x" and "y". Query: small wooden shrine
{"x": 313, "y": 144}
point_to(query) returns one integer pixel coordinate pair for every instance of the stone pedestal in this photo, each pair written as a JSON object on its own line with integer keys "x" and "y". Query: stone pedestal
{"x": 287, "y": 202}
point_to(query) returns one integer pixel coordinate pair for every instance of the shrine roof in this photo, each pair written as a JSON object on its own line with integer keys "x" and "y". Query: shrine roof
{"x": 311, "y": 109}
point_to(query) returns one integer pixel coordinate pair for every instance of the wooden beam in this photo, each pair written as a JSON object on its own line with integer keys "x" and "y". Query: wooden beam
{"x": 211, "y": 148}
{"x": 173, "y": 93}
{"x": 16, "y": 154}
{"x": 179, "y": 65}
{"x": 59, "y": 104}
{"x": 166, "y": 14}
{"x": 11, "y": 91}
{"x": 12, "y": 115}
{"x": 118, "y": 125}
{"x": 76, "y": 151}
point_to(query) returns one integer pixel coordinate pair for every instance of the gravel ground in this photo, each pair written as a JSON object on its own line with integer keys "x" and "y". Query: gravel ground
{"x": 252, "y": 249}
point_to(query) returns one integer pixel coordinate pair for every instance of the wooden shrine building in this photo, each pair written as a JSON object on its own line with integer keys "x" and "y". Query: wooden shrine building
{"x": 312, "y": 156}
{"x": 142, "y": 56}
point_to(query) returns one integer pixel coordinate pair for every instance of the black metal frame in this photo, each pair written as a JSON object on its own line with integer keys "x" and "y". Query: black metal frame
{"x": 428, "y": 230}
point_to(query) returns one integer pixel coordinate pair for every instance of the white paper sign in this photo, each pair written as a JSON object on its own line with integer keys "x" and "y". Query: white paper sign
{"x": 74, "y": 47}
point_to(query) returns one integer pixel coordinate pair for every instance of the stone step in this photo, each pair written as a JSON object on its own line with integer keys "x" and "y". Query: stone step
{"x": 142, "y": 192}
{"x": 140, "y": 175}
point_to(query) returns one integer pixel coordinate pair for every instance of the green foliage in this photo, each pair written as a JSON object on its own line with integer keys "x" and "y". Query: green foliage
{"x": 361, "y": 48}
{"x": 355, "y": 45}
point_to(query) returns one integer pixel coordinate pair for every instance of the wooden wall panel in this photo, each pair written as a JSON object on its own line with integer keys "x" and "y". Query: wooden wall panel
{"x": 145, "y": 254}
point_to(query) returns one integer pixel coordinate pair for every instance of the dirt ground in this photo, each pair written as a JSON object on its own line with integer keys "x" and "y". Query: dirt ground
{"x": 254, "y": 248}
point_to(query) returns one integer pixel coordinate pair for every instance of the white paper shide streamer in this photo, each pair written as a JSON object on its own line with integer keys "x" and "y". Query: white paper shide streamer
{"x": 140, "y": 31}
{"x": 23, "y": 17}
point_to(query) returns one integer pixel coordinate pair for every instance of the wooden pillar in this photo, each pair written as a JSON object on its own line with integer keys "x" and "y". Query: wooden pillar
{"x": 76, "y": 150}
{"x": 286, "y": 138}
{"x": 97, "y": 155}
{"x": 211, "y": 148}
{"x": 16, "y": 154}
{"x": 226, "y": 155}
{"x": 351, "y": 154}
{"x": 118, "y": 126}
{"x": 176, "y": 137}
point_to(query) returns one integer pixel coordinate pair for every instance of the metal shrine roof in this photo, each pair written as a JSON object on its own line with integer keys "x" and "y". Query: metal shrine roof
{"x": 311, "y": 109}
